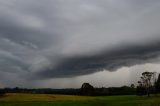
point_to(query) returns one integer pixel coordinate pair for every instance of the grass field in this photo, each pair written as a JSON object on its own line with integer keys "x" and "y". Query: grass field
{"x": 67, "y": 100}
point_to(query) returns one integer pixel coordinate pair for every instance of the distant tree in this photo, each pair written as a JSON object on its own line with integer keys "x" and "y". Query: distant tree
{"x": 146, "y": 82}
{"x": 132, "y": 86}
{"x": 87, "y": 89}
{"x": 2, "y": 92}
{"x": 157, "y": 84}
{"x": 141, "y": 91}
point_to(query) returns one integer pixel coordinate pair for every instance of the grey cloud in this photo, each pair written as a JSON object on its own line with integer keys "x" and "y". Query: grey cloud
{"x": 108, "y": 60}
{"x": 20, "y": 23}
{"x": 59, "y": 38}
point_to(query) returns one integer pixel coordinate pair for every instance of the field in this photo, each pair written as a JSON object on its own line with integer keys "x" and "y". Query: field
{"x": 67, "y": 100}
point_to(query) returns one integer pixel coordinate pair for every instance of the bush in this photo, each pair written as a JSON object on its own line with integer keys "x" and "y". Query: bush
{"x": 141, "y": 91}
{"x": 2, "y": 92}
{"x": 87, "y": 89}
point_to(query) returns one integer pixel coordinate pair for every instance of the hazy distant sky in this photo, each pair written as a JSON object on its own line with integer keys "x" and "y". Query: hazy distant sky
{"x": 63, "y": 43}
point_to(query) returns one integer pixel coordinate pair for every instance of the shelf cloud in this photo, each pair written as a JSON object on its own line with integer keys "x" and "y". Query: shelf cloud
{"x": 45, "y": 39}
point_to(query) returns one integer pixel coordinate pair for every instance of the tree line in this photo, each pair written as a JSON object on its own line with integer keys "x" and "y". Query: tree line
{"x": 148, "y": 84}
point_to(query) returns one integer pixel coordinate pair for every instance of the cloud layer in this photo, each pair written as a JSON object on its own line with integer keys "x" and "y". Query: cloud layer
{"x": 110, "y": 60}
{"x": 59, "y": 38}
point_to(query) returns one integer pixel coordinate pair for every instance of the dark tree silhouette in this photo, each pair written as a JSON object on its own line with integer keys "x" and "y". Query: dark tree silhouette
{"x": 2, "y": 92}
{"x": 157, "y": 84}
{"x": 132, "y": 86}
{"x": 87, "y": 89}
{"x": 146, "y": 82}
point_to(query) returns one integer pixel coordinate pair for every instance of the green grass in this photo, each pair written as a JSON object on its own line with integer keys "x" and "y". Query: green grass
{"x": 66, "y": 100}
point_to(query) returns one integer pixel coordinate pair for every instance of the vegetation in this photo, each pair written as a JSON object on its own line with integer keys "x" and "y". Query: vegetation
{"x": 87, "y": 89}
{"x": 16, "y": 99}
{"x": 157, "y": 84}
{"x": 90, "y": 96}
{"x": 2, "y": 93}
{"x": 147, "y": 83}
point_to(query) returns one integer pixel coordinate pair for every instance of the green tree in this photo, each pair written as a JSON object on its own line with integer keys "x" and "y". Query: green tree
{"x": 146, "y": 81}
{"x": 157, "y": 84}
{"x": 132, "y": 86}
{"x": 87, "y": 89}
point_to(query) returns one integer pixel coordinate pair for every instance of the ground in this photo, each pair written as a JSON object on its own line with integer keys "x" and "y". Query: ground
{"x": 16, "y": 99}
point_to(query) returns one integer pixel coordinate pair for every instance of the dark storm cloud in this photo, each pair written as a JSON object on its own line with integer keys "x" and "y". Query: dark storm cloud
{"x": 63, "y": 38}
{"x": 20, "y": 21}
{"x": 112, "y": 60}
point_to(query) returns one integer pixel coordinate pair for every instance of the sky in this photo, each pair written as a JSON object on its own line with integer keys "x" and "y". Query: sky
{"x": 64, "y": 43}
